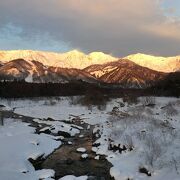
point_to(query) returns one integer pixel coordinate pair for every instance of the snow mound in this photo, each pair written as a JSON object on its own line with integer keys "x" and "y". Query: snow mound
{"x": 71, "y": 177}
{"x": 81, "y": 150}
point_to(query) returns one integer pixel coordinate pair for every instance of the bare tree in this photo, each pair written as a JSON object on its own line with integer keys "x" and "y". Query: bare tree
{"x": 153, "y": 151}
{"x": 1, "y": 119}
{"x": 148, "y": 101}
{"x": 175, "y": 164}
{"x": 129, "y": 141}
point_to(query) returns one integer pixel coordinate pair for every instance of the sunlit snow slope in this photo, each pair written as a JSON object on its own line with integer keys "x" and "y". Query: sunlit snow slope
{"x": 71, "y": 59}
{"x": 163, "y": 64}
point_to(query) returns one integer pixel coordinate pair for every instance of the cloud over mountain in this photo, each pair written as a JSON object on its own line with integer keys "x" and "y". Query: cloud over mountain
{"x": 113, "y": 26}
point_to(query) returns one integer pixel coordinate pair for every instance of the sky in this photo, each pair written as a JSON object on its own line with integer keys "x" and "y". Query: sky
{"x": 118, "y": 27}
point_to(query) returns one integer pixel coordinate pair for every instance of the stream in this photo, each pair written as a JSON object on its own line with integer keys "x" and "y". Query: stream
{"x": 66, "y": 160}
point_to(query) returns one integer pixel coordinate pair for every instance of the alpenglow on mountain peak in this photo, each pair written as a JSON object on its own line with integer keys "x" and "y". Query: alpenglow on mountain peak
{"x": 157, "y": 63}
{"x": 71, "y": 59}
{"x": 79, "y": 60}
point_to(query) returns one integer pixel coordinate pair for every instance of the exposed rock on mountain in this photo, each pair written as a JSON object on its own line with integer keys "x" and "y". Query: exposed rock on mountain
{"x": 125, "y": 73}
{"x": 138, "y": 70}
{"x": 79, "y": 60}
{"x": 33, "y": 71}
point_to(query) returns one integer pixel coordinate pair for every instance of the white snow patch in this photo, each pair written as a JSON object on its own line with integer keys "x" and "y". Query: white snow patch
{"x": 29, "y": 78}
{"x": 71, "y": 177}
{"x": 81, "y": 150}
{"x": 84, "y": 156}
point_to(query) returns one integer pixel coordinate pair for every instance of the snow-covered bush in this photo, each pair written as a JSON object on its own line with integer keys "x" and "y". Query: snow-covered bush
{"x": 130, "y": 99}
{"x": 141, "y": 130}
{"x": 50, "y": 102}
{"x": 91, "y": 98}
{"x": 129, "y": 141}
{"x": 153, "y": 151}
{"x": 148, "y": 101}
{"x": 73, "y": 100}
{"x": 170, "y": 110}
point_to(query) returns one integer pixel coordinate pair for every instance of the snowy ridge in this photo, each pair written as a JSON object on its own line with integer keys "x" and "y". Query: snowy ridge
{"x": 71, "y": 59}
{"x": 34, "y": 71}
{"x": 137, "y": 70}
{"x": 79, "y": 60}
{"x": 125, "y": 73}
{"x": 157, "y": 63}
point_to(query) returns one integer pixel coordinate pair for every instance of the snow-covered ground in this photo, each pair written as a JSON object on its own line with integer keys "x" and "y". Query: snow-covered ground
{"x": 56, "y": 108}
{"x": 151, "y": 136}
{"x": 18, "y": 144}
{"x": 134, "y": 136}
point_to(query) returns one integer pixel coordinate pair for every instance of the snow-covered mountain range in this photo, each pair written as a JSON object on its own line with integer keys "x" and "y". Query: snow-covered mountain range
{"x": 80, "y": 60}
{"x": 71, "y": 59}
{"x": 138, "y": 70}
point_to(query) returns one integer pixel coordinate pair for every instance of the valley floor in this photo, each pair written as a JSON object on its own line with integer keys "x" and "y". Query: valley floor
{"x": 128, "y": 138}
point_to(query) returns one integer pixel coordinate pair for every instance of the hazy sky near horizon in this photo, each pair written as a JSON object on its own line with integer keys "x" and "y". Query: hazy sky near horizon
{"x": 119, "y": 27}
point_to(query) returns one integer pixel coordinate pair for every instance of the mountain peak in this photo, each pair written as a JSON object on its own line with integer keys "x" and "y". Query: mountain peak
{"x": 79, "y": 60}
{"x": 71, "y": 59}
{"x": 157, "y": 63}
{"x": 74, "y": 52}
{"x": 101, "y": 55}
{"x": 142, "y": 56}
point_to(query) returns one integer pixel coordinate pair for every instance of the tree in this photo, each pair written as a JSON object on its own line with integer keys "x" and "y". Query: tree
{"x": 1, "y": 119}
